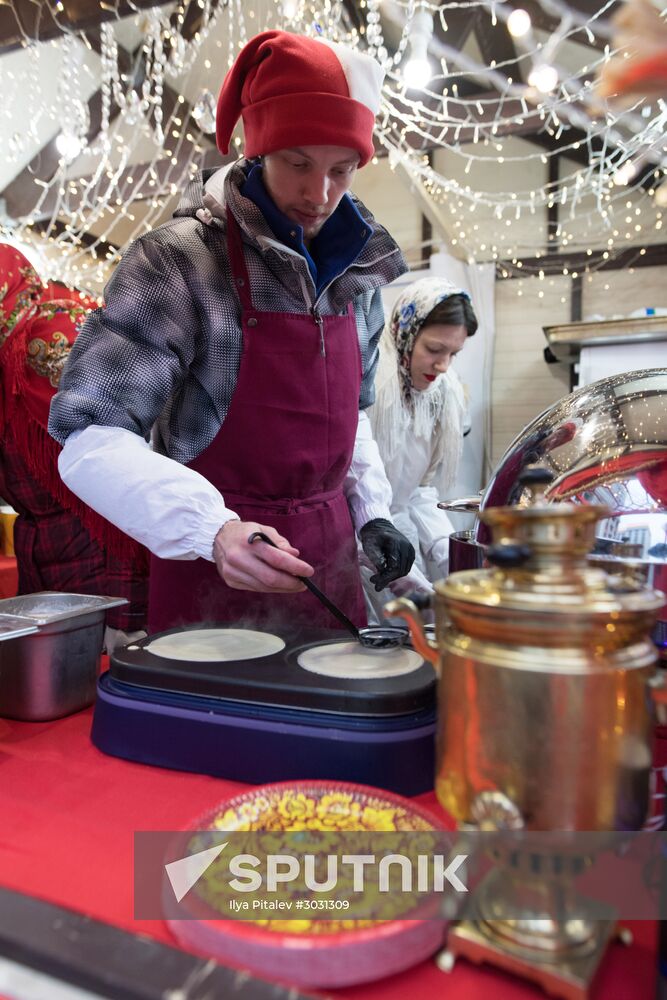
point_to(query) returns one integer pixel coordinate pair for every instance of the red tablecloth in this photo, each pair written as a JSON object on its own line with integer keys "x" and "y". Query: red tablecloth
{"x": 68, "y": 814}
{"x": 9, "y": 578}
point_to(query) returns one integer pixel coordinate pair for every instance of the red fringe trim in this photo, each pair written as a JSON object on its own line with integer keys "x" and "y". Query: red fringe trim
{"x": 24, "y": 414}
{"x": 41, "y": 454}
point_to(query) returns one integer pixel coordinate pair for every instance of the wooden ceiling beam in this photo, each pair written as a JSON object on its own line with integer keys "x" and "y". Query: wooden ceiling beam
{"x": 22, "y": 193}
{"x": 587, "y": 148}
{"x": 441, "y": 225}
{"x": 26, "y": 21}
{"x": 496, "y": 45}
{"x": 655, "y": 255}
{"x": 549, "y": 23}
{"x": 23, "y": 22}
{"x": 162, "y": 168}
{"x": 353, "y": 15}
{"x": 58, "y": 228}
{"x": 460, "y": 21}
{"x": 466, "y": 124}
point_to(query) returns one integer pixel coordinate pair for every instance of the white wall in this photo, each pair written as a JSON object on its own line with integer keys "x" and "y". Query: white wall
{"x": 523, "y": 384}
{"x": 474, "y": 367}
{"x": 388, "y": 197}
{"x": 477, "y": 225}
{"x": 610, "y": 293}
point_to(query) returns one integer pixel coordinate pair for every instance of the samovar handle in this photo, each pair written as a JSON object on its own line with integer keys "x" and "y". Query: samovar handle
{"x": 406, "y": 608}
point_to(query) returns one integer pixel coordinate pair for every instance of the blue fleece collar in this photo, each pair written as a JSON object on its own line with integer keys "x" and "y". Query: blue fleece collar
{"x": 338, "y": 244}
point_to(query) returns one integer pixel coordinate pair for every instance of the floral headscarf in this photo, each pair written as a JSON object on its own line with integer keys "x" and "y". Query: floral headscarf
{"x": 410, "y": 310}
{"x": 38, "y": 325}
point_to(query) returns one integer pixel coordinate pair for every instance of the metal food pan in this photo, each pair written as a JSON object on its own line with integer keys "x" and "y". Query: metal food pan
{"x": 11, "y": 627}
{"x": 47, "y": 607}
{"x": 52, "y": 671}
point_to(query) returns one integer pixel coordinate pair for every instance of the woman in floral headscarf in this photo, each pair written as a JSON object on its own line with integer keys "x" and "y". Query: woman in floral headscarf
{"x": 418, "y": 415}
{"x": 60, "y": 543}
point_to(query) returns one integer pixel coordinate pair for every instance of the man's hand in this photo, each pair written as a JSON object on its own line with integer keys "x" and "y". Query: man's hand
{"x": 257, "y": 567}
{"x": 390, "y": 551}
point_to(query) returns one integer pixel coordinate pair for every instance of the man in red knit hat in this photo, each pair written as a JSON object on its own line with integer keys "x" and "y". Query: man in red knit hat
{"x": 242, "y": 336}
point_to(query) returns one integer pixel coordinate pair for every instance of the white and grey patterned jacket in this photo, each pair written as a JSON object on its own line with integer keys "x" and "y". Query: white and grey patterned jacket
{"x": 163, "y": 357}
{"x": 166, "y": 348}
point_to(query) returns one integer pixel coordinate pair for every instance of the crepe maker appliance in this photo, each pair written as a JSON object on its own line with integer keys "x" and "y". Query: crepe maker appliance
{"x": 267, "y": 719}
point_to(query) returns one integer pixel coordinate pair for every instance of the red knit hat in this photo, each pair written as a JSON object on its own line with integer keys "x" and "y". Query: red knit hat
{"x": 297, "y": 91}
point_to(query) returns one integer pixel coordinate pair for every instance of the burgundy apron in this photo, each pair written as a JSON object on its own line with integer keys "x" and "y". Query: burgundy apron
{"x": 280, "y": 458}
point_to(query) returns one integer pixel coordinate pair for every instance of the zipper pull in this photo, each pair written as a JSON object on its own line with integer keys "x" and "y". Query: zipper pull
{"x": 320, "y": 323}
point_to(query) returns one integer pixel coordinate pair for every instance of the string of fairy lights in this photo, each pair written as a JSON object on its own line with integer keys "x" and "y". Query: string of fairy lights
{"x": 449, "y": 122}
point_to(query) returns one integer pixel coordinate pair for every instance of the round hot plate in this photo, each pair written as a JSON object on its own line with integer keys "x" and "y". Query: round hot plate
{"x": 353, "y": 662}
{"x": 268, "y": 719}
{"x": 220, "y": 645}
{"x": 308, "y": 671}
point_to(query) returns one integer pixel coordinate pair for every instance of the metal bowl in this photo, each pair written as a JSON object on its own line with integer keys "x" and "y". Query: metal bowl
{"x": 383, "y": 636}
{"x": 605, "y": 443}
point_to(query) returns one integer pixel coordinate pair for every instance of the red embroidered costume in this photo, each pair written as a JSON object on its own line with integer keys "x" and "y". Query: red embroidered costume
{"x": 60, "y": 543}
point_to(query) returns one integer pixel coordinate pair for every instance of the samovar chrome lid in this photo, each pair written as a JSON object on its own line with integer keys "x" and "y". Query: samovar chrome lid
{"x": 539, "y": 561}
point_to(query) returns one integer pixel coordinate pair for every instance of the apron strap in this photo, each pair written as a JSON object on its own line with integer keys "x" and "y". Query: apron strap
{"x": 237, "y": 261}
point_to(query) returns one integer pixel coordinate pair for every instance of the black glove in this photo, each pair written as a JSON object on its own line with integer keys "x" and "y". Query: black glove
{"x": 390, "y": 552}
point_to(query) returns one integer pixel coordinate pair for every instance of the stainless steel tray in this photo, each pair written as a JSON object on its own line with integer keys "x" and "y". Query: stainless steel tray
{"x": 51, "y": 668}
{"x": 11, "y": 626}
{"x": 49, "y": 606}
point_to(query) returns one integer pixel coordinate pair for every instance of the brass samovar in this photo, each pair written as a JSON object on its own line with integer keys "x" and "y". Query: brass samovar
{"x": 545, "y": 718}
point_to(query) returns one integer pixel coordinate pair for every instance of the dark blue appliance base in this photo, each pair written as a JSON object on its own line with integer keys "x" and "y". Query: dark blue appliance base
{"x": 255, "y": 745}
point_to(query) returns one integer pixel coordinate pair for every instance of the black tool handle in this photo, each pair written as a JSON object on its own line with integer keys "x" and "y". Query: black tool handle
{"x": 336, "y": 612}
{"x": 536, "y": 475}
{"x": 508, "y": 554}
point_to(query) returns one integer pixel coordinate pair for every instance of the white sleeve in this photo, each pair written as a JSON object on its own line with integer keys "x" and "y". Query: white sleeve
{"x": 414, "y": 580}
{"x": 433, "y": 525}
{"x": 366, "y": 486}
{"x": 170, "y": 509}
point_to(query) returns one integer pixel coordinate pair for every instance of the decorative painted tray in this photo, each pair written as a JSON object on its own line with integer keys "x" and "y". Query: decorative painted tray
{"x": 300, "y": 947}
